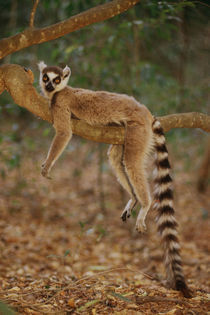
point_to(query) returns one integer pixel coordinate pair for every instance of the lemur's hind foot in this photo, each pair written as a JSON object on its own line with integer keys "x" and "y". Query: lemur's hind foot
{"x": 140, "y": 222}
{"x": 141, "y": 225}
{"x": 128, "y": 209}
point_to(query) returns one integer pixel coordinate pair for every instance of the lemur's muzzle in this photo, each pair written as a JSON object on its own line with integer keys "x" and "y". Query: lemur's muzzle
{"x": 49, "y": 87}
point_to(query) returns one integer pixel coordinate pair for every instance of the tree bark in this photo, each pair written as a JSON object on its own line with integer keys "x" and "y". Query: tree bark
{"x": 32, "y": 36}
{"x": 18, "y": 83}
{"x": 186, "y": 120}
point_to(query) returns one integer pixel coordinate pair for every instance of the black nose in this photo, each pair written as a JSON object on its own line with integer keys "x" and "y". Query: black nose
{"x": 49, "y": 87}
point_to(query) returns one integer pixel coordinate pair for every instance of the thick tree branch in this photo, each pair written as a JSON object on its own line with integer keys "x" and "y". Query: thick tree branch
{"x": 186, "y": 120}
{"x": 18, "y": 83}
{"x": 31, "y": 37}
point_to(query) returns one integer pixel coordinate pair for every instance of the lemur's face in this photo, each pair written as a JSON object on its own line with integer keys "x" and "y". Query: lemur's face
{"x": 53, "y": 79}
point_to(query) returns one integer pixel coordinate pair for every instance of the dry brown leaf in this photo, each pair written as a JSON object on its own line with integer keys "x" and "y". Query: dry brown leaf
{"x": 71, "y": 302}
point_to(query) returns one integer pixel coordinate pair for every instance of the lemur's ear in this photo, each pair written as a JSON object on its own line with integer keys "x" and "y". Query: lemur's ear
{"x": 66, "y": 72}
{"x": 41, "y": 65}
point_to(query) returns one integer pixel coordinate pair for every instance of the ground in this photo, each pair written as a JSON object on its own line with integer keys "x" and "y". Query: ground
{"x": 61, "y": 254}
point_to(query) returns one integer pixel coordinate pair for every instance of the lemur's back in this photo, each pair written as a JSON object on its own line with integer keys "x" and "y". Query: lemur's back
{"x": 100, "y": 107}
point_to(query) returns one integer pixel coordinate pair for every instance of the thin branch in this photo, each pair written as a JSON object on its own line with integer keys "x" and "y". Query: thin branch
{"x": 202, "y": 3}
{"x": 18, "y": 83}
{"x": 31, "y": 37}
{"x": 33, "y": 11}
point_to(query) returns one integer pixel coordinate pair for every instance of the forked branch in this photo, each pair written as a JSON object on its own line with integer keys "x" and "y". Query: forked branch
{"x": 34, "y": 36}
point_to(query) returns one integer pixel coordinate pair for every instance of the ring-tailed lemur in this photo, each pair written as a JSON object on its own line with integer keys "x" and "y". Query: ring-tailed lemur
{"x": 143, "y": 132}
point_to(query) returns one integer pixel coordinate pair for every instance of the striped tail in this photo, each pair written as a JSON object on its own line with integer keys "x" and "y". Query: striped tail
{"x": 167, "y": 225}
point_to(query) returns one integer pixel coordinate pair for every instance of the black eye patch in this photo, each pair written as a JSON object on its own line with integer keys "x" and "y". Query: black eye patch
{"x": 57, "y": 80}
{"x": 45, "y": 78}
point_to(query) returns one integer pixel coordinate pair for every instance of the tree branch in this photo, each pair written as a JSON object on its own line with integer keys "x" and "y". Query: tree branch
{"x": 33, "y": 11}
{"x": 31, "y": 37}
{"x": 18, "y": 83}
{"x": 186, "y": 120}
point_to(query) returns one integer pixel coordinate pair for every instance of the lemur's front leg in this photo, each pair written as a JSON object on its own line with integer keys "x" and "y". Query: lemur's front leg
{"x": 62, "y": 125}
{"x": 58, "y": 145}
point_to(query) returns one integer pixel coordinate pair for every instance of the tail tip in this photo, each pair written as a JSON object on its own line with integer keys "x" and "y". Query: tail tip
{"x": 181, "y": 286}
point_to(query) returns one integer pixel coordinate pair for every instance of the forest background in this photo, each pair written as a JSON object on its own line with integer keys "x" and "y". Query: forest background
{"x": 157, "y": 52}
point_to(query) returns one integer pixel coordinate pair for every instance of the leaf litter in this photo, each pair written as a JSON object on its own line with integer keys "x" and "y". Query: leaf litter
{"x": 61, "y": 255}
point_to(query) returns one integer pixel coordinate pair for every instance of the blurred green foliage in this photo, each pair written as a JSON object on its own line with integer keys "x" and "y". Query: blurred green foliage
{"x": 157, "y": 51}
{"x": 6, "y": 310}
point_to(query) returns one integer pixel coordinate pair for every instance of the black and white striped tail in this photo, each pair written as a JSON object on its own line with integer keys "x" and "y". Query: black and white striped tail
{"x": 167, "y": 225}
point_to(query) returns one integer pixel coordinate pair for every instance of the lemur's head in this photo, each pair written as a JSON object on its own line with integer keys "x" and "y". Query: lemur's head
{"x": 53, "y": 79}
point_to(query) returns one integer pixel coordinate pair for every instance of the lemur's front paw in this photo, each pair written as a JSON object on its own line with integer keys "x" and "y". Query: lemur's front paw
{"x": 140, "y": 225}
{"x": 45, "y": 172}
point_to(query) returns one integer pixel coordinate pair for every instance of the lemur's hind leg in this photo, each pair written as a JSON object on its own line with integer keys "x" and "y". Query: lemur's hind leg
{"x": 115, "y": 154}
{"x": 138, "y": 144}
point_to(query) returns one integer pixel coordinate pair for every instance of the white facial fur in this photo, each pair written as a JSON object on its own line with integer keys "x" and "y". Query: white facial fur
{"x": 52, "y": 75}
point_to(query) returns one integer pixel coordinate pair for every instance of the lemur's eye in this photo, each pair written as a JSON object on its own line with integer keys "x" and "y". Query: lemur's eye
{"x": 57, "y": 80}
{"x": 45, "y": 78}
